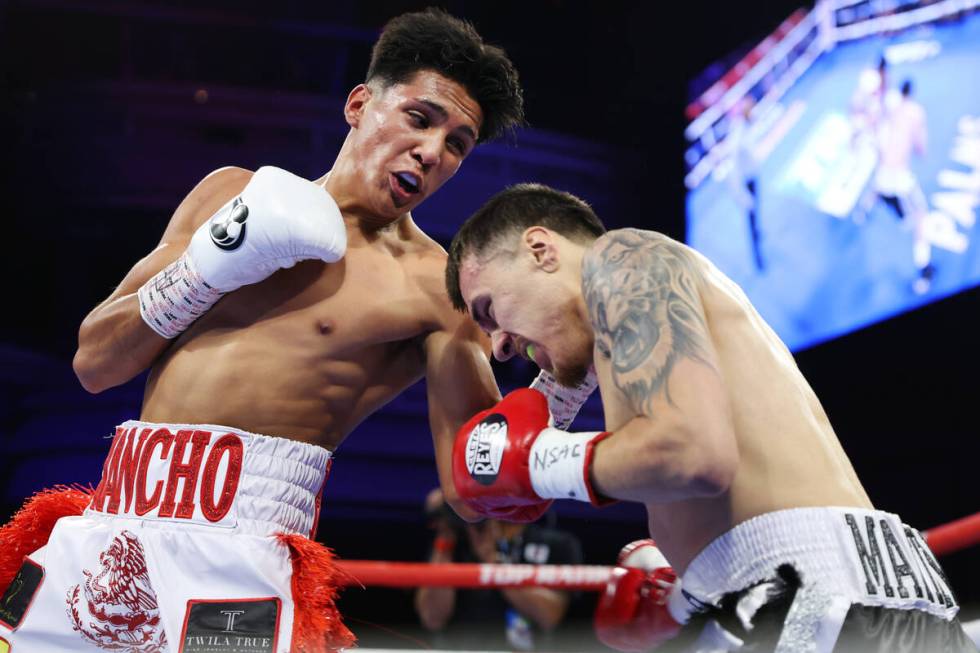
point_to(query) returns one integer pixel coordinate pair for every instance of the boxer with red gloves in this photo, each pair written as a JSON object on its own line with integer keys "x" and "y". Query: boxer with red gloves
{"x": 641, "y": 607}
{"x": 708, "y": 423}
{"x": 508, "y": 463}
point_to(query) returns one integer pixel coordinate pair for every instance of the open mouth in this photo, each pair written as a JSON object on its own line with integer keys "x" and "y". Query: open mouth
{"x": 407, "y": 182}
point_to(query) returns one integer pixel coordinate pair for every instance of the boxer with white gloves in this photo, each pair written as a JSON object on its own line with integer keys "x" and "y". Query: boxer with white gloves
{"x": 708, "y": 423}
{"x": 332, "y": 304}
{"x": 276, "y": 221}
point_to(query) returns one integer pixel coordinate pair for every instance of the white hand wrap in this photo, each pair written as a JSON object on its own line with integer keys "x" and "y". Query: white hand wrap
{"x": 559, "y": 465}
{"x": 278, "y": 220}
{"x": 564, "y": 403}
{"x": 175, "y": 297}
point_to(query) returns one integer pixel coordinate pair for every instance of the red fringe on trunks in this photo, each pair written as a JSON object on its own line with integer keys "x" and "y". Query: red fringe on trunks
{"x": 29, "y": 529}
{"x": 316, "y": 622}
{"x": 317, "y": 626}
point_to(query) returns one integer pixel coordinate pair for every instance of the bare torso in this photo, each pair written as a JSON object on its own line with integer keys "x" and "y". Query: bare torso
{"x": 314, "y": 349}
{"x": 789, "y": 456}
{"x": 904, "y": 132}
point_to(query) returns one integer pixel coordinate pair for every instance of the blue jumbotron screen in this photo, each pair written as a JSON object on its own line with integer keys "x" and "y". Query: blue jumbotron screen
{"x": 864, "y": 206}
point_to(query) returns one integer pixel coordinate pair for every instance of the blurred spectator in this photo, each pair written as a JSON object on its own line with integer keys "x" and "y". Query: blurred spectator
{"x": 512, "y": 619}
{"x": 743, "y": 179}
{"x": 902, "y": 134}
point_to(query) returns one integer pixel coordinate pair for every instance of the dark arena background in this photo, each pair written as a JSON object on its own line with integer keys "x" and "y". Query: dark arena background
{"x": 111, "y": 112}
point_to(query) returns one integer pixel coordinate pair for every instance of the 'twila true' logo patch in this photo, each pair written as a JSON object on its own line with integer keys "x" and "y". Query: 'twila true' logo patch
{"x": 485, "y": 448}
{"x": 232, "y": 626}
{"x": 228, "y": 226}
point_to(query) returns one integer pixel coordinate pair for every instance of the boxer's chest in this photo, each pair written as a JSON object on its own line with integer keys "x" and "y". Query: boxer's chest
{"x": 370, "y": 299}
{"x": 338, "y": 322}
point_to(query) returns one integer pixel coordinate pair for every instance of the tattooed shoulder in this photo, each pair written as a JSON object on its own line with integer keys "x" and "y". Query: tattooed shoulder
{"x": 641, "y": 289}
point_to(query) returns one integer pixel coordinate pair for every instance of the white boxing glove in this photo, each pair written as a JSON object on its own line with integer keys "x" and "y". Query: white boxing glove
{"x": 278, "y": 220}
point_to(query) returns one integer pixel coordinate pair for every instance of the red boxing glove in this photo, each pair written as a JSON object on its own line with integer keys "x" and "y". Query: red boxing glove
{"x": 632, "y": 614}
{"x": 509, "y": 464}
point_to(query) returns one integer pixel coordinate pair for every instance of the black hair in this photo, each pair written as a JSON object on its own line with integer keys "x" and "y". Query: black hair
{"x": 434, "y": 40}
{"x": 510, "y": 212}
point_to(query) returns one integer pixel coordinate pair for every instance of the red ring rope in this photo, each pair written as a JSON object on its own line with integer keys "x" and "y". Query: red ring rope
{"x": 954, "y": 536}
{"x": 943, "y": 539}
{"x": 424, "y": 574}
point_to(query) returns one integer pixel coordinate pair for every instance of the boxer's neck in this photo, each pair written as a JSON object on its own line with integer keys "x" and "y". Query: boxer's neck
{"x": 363, "y": 225}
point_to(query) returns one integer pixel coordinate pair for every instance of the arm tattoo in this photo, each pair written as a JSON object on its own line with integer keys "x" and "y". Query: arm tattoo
{"x": 641, "y": 291}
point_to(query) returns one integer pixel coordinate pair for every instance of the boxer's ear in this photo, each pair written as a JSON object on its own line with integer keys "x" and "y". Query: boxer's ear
{"x": 356, "y": 101}
{"x": 542, "y": 246}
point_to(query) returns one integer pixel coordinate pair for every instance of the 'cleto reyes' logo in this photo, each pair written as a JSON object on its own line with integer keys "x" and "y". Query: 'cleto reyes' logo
{"x": 147, "y": 466}
{"x": 485, "y": 448}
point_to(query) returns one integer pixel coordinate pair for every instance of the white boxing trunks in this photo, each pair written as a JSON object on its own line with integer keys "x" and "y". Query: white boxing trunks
{"x": 847, "y": 577}
{"x": 197, "y": 540}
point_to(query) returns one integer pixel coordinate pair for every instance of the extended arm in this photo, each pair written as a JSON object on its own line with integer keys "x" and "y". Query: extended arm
{"x": 459, "y": 383}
